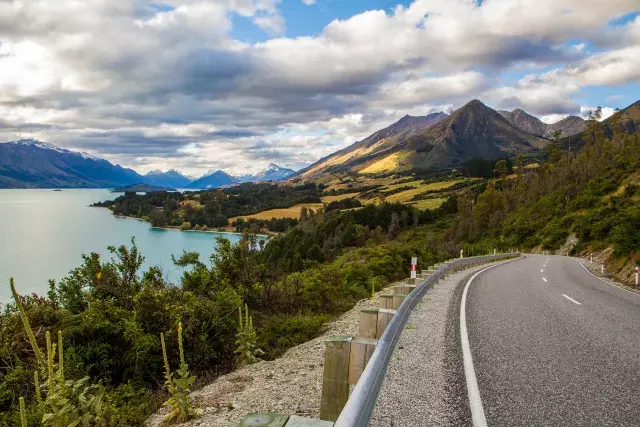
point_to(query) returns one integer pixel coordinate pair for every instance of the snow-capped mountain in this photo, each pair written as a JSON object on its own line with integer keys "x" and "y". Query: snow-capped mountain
{"x": 213, "y": 179}
{"x": 272, "y": 173}
{"x": 171, "y": 178}
{"x": 30, "y": 163}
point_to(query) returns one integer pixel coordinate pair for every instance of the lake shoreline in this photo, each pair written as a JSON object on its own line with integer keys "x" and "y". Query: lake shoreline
{"x": 177, "y": 228}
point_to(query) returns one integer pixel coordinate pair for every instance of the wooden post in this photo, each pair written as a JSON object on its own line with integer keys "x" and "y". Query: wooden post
{"x": 368, "y": 322}
{"x": 398, "y": 289}
{"x": 296, "y": 421}
{"x": 361, "y": 351}
{"x": 263, "y": 420}
{"x": 386, "y": 301}
{"x": 397, "y": 300}
{"x": 335, "y": 380}
{"x": 384, "y": 317}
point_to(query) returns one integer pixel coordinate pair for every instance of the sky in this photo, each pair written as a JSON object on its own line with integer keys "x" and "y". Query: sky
{"x": 196, "y": 85}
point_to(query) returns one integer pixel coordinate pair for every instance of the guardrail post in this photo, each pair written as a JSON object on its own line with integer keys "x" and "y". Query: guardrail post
{"x": 397, "y": 300}
{"x": 384, "y": 317}
{"x": 385, "y": 301}
{"x": 368, "y": 322}
{"x": 361, "y": 351}
{"x": 335, "y": 379}
{"x": 263, "y": 420}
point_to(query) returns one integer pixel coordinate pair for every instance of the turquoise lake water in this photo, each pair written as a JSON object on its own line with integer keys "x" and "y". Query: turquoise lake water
{"x": 43, "y": 234}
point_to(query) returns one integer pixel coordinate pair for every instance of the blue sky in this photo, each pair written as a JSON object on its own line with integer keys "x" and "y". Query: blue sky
{"x": 195, "y": 85}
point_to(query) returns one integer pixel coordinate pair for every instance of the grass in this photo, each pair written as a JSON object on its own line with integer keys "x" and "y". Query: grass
{"x": 407, "y": 195}
{"x": 292, "y": 212}
{"x": 428, "y": 203}
{"x": 387, "y": 164}
{"x": 329, "y": 199}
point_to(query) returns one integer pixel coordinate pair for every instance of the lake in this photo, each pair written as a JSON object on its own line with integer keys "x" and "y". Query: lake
{"x": 43, "y": 234}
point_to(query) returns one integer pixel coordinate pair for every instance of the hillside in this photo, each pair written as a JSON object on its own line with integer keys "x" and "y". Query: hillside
{"x": 626, "y": 120}
{"x": 568, "y": 126}
{"x": 272, "y": 173}
{"x": 30, "y": 163}
{"x": 372, "y": 146}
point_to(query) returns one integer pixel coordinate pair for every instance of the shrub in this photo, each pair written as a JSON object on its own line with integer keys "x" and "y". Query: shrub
{"x": 180, "y": 407}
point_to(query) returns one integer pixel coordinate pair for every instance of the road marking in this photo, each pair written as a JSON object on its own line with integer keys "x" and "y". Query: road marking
{"x": 541, "y": 271}
{"x": 605, "y": 281}
{"x": 475, "y": 402}
{"x": 545, "y": 280}
{"x": 571, "y": 299}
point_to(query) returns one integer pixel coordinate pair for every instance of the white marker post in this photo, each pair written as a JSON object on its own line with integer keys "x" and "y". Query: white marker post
{"x": 636, "y": 277}
{"x": 414, "y": 263}
{"x": 494, "y": 251}
{"x": 461, "y": 253}
{"x": 591, "y": 259}
{"x": 602, "y": 268}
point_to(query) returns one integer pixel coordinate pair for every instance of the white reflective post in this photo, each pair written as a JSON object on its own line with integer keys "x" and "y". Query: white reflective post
{"x": 414, "y": 263}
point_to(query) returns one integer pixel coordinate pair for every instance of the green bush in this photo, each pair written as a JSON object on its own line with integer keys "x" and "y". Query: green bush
{"x": 281, "y": 332}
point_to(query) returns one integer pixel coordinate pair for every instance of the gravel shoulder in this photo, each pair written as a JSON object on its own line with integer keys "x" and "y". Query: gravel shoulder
{"x": 425, "y": 383}
{"x": 291, "y": 384}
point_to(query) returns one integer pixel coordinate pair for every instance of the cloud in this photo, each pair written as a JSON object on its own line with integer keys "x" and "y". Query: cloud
{"x": 167, "y": 85}
{"x": 309, "y": 2}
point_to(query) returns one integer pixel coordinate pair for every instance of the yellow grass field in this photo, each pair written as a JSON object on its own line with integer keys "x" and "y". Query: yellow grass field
{"x": 428, "y": 203}
{"x": 292, "y": 212}
{"x": 329, "y": 199}
{"x": 407, "y": 195}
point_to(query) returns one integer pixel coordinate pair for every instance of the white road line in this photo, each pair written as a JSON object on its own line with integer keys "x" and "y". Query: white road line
{"x": 571, "y": 299}
{"x": 605, "y": 281}
{"x": 545, "y": 280}
{"x": 475, "y": 402}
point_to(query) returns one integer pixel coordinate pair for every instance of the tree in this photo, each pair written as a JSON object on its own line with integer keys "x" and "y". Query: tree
{"x": 394, "y": 228}
{"x": 501, "y": 169}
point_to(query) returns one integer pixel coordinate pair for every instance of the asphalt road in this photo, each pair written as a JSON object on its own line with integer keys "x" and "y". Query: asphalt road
{"x": 554, "y": 346}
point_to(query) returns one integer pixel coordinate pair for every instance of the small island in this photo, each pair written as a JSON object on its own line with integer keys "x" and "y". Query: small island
{"x": 141, "y": 188}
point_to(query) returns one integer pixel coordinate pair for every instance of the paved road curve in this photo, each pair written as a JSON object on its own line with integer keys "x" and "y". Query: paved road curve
{"x": 554, "y": 346}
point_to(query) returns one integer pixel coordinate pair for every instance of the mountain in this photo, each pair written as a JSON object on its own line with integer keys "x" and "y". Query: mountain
{"x": 213, "y": 179}
{"x": 372, "y": 146}
{"x": 568, "y": 126}
{"x": 474, "y": 130}
{"x": 272, "y": 173}
{"x": 29, "y": 163}
{"x": 526, "y": 122}
{"x": 171, "y": 178}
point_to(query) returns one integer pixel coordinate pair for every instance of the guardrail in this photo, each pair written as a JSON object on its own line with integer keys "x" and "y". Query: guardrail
{"x": 359, "y": 408}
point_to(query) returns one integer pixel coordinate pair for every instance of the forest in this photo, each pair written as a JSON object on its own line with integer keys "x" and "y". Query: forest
{"x": 115, "y": 320}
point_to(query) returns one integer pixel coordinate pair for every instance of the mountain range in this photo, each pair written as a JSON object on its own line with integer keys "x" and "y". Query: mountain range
{"x": 568, "y": 126}
{"x": 29, "y": 163}
{"x": 434, "y": 141}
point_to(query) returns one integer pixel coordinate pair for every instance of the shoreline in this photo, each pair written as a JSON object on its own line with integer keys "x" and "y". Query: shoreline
{"x": 176, "y": 228}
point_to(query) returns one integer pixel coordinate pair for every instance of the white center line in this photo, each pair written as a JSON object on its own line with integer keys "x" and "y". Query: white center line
{"x": 544, "y": 279}
{"x": 571, "y": 299}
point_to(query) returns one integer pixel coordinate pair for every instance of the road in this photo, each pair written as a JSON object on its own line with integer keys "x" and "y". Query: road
{"x": 552, "y": 345}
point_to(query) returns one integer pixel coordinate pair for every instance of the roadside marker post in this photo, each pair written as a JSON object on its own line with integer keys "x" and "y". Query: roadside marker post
{"x": 602, "y": 268}
{"x": 636, "y": 277}
{"x": 461, "y": 253}
{"x": 591, "y": 259}
{"x": 414, "y": 264}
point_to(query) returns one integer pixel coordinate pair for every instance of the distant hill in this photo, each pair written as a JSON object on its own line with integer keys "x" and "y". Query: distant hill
{"x": 170, "y": 178}
{"x": 570, "y": 125}
{"x": 29, "y": 163}
{"x": 142, "y": 188}
{"x": 380, "y": 142}
{"x": 213, "y": 179}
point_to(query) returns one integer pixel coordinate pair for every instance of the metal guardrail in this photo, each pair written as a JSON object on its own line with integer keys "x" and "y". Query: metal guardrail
{"x": 359, "y": 407}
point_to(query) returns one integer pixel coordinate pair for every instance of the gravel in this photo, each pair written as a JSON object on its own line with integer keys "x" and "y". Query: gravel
{"x": 425, "y": 384}
{"x": 291, "y": 384}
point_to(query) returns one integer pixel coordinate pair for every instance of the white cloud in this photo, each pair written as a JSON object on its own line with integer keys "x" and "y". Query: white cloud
{"x": 309, "y": 2}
